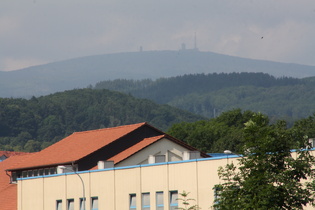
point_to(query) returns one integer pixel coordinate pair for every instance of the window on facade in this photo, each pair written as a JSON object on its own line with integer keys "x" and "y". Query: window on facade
{"x": 159, "y": 201}
{"x": 24, "y": 174}
{"x": 35, "y": 172}
{"x": 94, "y": 203}
{"x": 82, "y": 203}
{"x": 217, "y": 191}
{"x": 70, "y": 204}
{"x": 40, "y": 172}
{"x": 52, "y": 171}
{"x": 173, "y": 200}
{"x": 145, "y": 201}
{"x": 46, "y": 171}
{"x": 159, "y": 158}
{"x": 14, "y": 177}
{"x": 132, "y": 201}
{"x": 59, "y": 205}
{"x": 29, "y": 173}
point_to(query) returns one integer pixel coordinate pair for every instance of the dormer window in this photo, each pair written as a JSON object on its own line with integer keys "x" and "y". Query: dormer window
{"x": 2, "y": 158}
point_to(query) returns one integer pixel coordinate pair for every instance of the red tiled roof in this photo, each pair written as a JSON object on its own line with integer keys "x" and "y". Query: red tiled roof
{"x": 10, "y": 153}
{"x": 8, "y": 192}
{"x": 145, "y": 143}
{"x": 133, "y": 149}
{"x": 76, "y": 146}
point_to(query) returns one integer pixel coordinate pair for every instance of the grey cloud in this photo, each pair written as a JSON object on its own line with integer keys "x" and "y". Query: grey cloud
{"x": 55, "y": 30}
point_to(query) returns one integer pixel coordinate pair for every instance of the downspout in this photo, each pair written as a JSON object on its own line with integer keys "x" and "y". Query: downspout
{"x": 6, "y": 172}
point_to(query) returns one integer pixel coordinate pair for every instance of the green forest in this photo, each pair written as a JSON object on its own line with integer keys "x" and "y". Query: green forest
{"x": 211, "y": 94}
{"x": 31, "y": 125}
{"x": 210, "y": 109}
{"x": 226, "y": 132}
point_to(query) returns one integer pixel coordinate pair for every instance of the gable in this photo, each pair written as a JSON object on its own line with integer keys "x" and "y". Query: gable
{"x": 163, "y": 147}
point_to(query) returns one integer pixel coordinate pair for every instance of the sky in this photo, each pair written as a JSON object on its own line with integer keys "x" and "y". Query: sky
{"x": 34, "y": 32}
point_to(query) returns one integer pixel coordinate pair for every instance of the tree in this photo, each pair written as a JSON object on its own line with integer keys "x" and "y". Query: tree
{"x": 214, "y": 135}
{"x": 32, "y": 146}
{"x": 268, "y": 177}
{"x": 186, "y": 202}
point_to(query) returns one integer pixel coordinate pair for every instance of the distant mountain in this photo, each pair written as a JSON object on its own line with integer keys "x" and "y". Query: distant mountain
{"x": 81, "y": 72}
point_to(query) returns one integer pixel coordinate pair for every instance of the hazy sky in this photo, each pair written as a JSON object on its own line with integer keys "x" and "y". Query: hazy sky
{"x": 35, "y": 32}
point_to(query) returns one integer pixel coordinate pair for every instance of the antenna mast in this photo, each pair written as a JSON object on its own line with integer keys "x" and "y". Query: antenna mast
{"x": 195, "y": 43}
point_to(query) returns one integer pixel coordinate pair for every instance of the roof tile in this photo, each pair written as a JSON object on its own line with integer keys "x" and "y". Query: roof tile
{"x": 8, "y": 192}
{"x": 133, "y": 149}
{"x": 76, "y": 146}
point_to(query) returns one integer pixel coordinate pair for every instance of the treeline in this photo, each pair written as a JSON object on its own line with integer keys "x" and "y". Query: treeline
{"x": 226, "y": 132}
{"x": 31, "y": 125}
{"x": 211, "y": 94}
{"x": 164, "y": 90}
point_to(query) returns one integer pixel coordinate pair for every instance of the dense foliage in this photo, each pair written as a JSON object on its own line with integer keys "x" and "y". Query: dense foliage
{"x": 214, "y": 135}
{"x": 268, "y": 176}
{"x": 226, "y": 132}
{"x": 30, "y": 125}
{"x": 211, "y": 94}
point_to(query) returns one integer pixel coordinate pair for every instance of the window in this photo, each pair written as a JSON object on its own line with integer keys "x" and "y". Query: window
{"x": 59, "y": 205}
{"x": 3, "y": 157}
{"x": 194, "y": 155}
{"x": 46, "y": 171}
{"x": 40, "y": 172}
{"x": 159, "y": 158}
{"x": 173, "y": 200}
{"x": 217, "y": 191}
{"x": 159, "y": 201}
{"x": 94, "y": 203}
{"x": 82, "y": 203}
{"x": 145, "y": 201}
{"x": 14, "y": 177}
{"x": 132, "y": 201}
{"x": 70, "y": 204}
{"x": 52, "y": 171}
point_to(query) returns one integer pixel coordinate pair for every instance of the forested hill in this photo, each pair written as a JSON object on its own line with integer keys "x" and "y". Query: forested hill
{"x": 81, "y": 72}
{"x": 211, "y": 94}
{"x": 30, "y": 125}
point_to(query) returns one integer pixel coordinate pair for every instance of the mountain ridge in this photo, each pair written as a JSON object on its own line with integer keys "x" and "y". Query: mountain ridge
{"x": 205, "y": 94}
{"x": 84, "y": 71}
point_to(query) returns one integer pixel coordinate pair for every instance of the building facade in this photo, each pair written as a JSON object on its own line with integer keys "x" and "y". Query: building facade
{"x": 124, "y": 168}
{"x": 153, "y": 186}
{"x": 100, "y": 162}
{"x": 149, "y": 186}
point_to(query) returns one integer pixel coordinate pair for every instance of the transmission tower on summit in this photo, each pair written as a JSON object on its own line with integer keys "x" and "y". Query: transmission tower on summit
{"x": 195, "y": 43}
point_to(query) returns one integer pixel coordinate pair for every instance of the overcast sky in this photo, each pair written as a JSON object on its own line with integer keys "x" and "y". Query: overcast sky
{"x": 35, "y": 32}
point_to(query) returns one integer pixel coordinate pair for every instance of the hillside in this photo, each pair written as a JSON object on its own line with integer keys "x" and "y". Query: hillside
{"x": 211, "y": 94}
{"x": 33, "y": 124}
{"x": 85, "y": 71}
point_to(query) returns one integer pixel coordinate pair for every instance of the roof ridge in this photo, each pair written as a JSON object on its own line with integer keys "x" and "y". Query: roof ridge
{"x": 101, "y": 137}
{"x": 152, "y": 140}
{"x": 109, "y": 128}
{"x": 157, "y": 136}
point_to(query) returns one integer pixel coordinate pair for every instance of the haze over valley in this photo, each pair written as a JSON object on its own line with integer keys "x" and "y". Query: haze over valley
{"x": 85, "y": 71}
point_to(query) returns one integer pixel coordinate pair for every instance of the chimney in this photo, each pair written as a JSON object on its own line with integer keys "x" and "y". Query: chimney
{"x": 151, "y": 159}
